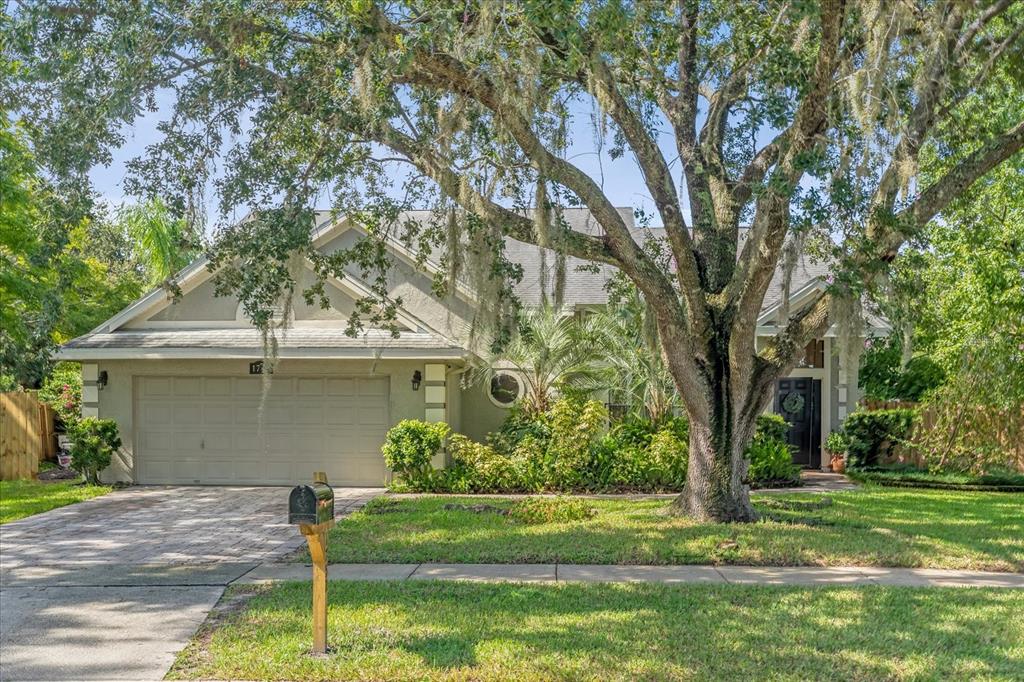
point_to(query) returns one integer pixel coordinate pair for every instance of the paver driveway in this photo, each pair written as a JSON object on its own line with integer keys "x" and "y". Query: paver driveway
{"x": 114, "y": 587}
{"x": 162, "y": 525}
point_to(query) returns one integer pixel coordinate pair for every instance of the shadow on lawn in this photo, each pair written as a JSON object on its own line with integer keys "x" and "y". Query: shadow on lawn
{"x": 629, "y": 631}
{"x": 858, "y": 528}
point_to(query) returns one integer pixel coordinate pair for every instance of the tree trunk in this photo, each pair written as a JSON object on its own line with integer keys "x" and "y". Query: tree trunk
{"x": 721, "y": 426}
{"x": 715, "y": 490}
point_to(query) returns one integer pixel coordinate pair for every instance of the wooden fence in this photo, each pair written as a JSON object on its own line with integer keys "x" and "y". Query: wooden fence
{"x": 26, "y": 435}
{"x": 980, "y": 428}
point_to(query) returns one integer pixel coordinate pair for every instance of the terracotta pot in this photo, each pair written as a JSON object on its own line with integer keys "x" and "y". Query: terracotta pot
{"x": 838, "y": 463}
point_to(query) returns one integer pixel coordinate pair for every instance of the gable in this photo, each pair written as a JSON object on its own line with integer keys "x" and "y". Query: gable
{"x": 198, "y": 307}
{"x": 410, "y": 281}
{"x": 202, "y": 305}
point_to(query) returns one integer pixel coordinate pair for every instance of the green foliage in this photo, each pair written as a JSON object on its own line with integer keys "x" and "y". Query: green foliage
{"x": 905, "y": 476}
{"x": 93, "y": 444}
{"x": 771, "y": 463}
{"x": 161, "y": 243}
{"x": 836, "y": 443}
{"x": 477, "y": 467}
{"x": 772, "y": 427}
{"x": 637, "y": 375}
{"x": 769, "y": 454}
{"x": 64, "y": 265}
{"x": 538, "y": 510}
{"x": 409, "y": 447}
{"x": 871, "y": 435}
{"x": 551, "y": 352}
{"x": 641, "y": 454}
{"x": 883, "y": 376}
{"x": 62, "y": 390}
{"x": 576, "y": 427}
{"x": 563, "y": 450}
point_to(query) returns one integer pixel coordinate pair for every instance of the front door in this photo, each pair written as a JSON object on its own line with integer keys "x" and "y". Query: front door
{"x": 799, "y": 403}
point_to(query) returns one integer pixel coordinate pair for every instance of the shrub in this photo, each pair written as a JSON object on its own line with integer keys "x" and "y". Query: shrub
{"x": 576, "y": 426}
{"x": 93, "y": 444}
{"x": 772, "y": 427}
{"x": 479, "y": 468}
{"x": 563, "y": 450}
{"x": 537, "y": 510}
{"x": 871, "y": 435}
{"x": 62, "y": 390}
{"x": 519, "y": 425}
{"x": 410, "y": 446}
{"x": 882, "y": 375}
{"x": 670, "y": 458}
{"x": 836, "y": 443}
{"x": 771, "y": 462}
{"x": 641, "y": 454}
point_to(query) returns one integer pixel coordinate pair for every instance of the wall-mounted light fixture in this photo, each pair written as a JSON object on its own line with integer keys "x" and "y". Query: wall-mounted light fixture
{"x": 101, "y": 379}
{"x": 417, "y": 379}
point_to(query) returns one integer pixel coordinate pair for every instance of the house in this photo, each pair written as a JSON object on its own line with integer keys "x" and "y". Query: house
{"x": 183, "y": 376}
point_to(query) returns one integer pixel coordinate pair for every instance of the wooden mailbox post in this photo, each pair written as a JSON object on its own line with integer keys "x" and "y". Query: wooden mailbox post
{"x": 312, "y": 508}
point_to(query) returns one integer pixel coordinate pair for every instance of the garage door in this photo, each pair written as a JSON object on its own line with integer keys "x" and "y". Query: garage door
{"x": 213, "y": 430}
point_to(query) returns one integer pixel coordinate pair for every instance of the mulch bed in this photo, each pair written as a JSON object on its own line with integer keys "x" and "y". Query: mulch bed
{"x": 58, "y": 474}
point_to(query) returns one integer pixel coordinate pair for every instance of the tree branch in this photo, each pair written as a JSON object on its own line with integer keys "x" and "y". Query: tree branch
{"x": 518, "y": 227}
{"x": 659, "y": 181}
{"x": 763, "y": 247}
{"x": 940, "y": 193}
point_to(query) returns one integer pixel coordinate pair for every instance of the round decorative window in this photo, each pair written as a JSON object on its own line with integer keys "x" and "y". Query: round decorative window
{"x": 505, "y": 389}
{"x": 793, "y": 402}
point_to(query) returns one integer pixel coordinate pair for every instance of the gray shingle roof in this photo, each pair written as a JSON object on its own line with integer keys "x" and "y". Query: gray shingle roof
{"x": 582, "y": 287}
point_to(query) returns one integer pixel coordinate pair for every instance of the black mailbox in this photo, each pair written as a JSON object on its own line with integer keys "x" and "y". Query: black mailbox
{"x": 311, "y": 504}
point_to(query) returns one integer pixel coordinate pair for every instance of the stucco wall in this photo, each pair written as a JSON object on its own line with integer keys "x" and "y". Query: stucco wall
{"x": 116, "y": 401}
{"x": 480, "y": 416}
{"x": 198, "y": 305}
{"x": 451, "y": 316}
{"x": 201, "y": 305}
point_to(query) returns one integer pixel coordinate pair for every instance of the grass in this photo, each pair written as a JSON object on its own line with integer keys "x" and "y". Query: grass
{"x": 905, "y": 476}
{"x": 870, "y": 527}
{"x": 19, "y": 499}
{"x": 435, "y": 630}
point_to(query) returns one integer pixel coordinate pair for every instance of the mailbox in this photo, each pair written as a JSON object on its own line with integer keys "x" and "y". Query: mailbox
{"x": 311, "y": 504}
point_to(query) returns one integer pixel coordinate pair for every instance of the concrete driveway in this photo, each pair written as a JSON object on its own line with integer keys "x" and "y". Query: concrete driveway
{"x": 114, "y": 587}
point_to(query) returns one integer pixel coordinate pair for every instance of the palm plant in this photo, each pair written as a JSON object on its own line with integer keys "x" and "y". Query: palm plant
{"x": 161, "y": 242}
{"x": 638, "y": 374}
{"x": 551, "y": 353}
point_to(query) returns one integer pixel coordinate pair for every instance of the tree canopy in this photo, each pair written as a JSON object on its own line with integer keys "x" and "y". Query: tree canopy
{"x": 806, "y": 121}
{"x": 63, "y": 270}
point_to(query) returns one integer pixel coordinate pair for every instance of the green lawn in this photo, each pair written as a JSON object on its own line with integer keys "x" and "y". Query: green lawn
{"x": 436, "y": 630}
{"x": 19, "y": 499}
{"x": 869, "y": 527}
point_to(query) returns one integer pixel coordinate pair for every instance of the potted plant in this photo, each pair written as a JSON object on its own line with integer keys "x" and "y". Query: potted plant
{"x": 835, "y": 445}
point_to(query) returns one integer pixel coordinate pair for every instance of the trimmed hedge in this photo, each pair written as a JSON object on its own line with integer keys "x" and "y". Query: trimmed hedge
{"x": 906, "y": 477}
{"x": 873, "y": 435}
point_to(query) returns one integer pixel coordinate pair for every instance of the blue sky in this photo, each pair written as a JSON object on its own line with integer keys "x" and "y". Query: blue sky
{"x": 620, "y": 178}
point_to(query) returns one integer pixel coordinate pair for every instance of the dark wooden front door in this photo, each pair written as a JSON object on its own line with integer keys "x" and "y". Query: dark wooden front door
{"x": 799, "y": 402}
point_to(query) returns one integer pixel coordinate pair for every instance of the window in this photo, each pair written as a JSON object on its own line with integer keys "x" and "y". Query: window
{"x": 505, "y": 389}
{"x": 814, "y": 355}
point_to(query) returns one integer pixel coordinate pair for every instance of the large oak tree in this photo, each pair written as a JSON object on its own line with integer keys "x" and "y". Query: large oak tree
{"x": 802, "y": 119}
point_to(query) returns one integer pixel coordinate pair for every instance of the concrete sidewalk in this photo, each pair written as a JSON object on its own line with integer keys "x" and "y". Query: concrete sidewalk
{"x": 751, "y": 575}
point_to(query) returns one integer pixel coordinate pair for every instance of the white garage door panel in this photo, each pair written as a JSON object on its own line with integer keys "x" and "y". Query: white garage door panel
{"x": 212, "y": 430}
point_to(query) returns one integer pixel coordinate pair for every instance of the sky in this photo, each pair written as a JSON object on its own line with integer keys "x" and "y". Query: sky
{"x": 620, "y": 178}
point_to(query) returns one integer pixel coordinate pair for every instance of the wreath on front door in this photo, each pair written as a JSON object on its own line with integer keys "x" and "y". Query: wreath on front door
{"x": 793, "y": 402}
